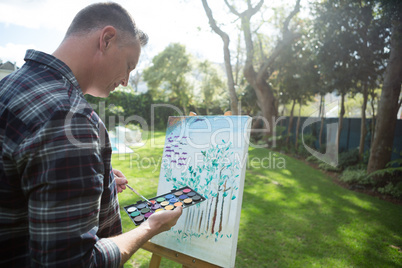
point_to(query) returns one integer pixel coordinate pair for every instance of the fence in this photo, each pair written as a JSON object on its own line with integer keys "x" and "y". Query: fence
{"x": 350, "y": 133}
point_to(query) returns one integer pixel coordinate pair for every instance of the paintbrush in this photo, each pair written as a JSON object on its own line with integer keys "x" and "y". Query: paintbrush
{"x": 132, "y": 189}
{"x": 140, "y": 195}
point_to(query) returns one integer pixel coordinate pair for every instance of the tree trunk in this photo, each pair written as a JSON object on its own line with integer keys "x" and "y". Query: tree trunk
{"x": 381, "y": 149}
{"x": 226, "y": 55}
{"x": 298, "y": 126}
{"x": 215, "y": 213}
{"x": 363, "y": 129}
{"x": 322, "y": 114}
{"x": 341, "y": 115}
{"x": 197, "y": 111}
{"x": 290, "y": 123}
{"x": 185, "y": 110}
{"x": 372, "y": 120}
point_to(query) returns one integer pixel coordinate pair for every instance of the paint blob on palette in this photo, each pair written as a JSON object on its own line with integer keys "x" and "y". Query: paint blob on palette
{"x": 184, "y": 197}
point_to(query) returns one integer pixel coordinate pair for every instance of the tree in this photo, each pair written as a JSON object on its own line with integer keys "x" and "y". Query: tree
{"x": 167, "y": 75}
{"x": 226, "y": 54}
{"x": 390, "y": 101}
{"x": 298, "y": 77}
{"x": 353, "y": 36}
{"x": 248, "y": 100}
{"x": 257, "y": 78}
{"x": 335, "y": 55}
{"x": 134, "y": 80}
{"x": 370, "y": 55}
{"x": 211, "y": 83}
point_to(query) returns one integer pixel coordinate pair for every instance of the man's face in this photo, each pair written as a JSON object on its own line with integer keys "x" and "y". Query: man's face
{"x": 114, "y": 70}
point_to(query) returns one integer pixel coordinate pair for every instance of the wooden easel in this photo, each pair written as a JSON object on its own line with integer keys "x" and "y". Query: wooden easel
{"x": 185, "y": 260}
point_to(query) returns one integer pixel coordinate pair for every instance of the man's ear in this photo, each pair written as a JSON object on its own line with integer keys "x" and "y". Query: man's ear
{"x": 107, "y": 36}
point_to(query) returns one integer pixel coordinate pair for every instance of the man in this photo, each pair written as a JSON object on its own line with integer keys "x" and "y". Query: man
{"x": 58, "y": 193}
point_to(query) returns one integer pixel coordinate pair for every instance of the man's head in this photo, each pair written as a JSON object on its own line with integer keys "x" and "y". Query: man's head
{"x": 102, "y": 46}
{"x": 100, "y": 15}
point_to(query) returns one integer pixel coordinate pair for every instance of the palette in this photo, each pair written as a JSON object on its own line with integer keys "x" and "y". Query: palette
{"x": 184, "y": 197}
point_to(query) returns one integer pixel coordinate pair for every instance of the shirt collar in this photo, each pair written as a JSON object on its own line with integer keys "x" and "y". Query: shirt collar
{"x": 52, "y": 62}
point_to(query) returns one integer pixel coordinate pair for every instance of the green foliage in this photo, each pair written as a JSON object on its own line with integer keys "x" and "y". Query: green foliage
{"x": 328, "y": 167}
{"x": 167, "y": 76}
{"x": 137, "y": 109}
{"x": 391, "y": 189}
{"x": 386, "y": 172}
{"x": 349, "y": 158}
{"x": 313, "y": 159}
{"x": 248, "y": 100}
{"x": 390, "y": 172}
{"x": 396, "y": 162}
{"x": 133, "y": 127}
{"x": 309, "y": 141}
{"x": 280, "y": 136}
{"x": 116, "y": 110}
{"x": 351, "y": 37}
{"x": 298, "y": 74}
{"x": 212, "y": 85}
{"x": 347, "y": 162}
{"x": 358, "y": 176}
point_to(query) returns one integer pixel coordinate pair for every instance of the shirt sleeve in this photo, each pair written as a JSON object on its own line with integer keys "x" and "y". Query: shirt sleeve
{"x": 63, "y": 178}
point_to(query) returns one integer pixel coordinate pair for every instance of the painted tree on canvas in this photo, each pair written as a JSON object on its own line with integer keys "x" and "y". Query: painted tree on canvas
{"x": 219, "y": 172}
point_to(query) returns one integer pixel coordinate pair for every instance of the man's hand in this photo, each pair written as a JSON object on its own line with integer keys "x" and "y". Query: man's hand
{"x": 131, "y": 241}
{"x": 121, "y": 180}
{"x": 164, "y": 220}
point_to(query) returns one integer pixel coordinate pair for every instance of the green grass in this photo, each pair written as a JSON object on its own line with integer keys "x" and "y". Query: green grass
{"x": 292, "y": 215}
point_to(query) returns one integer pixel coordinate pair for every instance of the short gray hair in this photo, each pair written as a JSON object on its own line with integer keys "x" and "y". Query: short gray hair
{"x": 99, "y": 15}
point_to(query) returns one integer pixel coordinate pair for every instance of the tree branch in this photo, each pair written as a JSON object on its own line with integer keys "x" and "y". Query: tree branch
{"x": 226, "y": 55}
{"x": 287, "y": 38}
{"x": 250, "y": 9}
{"x": 212, "y": 21}
{"x": 231, "y": 8}
{"x": 291, "y": 15}
{"x": 257, "y": 7}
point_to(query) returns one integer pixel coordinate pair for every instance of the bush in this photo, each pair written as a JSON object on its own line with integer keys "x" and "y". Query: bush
{"x": 391, "y": 189}
{"x": 309, "y": 141}
{"x": 323, "y": 148}
{"x": 327, "y": 167}
{"x": 313, "y": 159}
{"x": 349, "y": 158}
{"x": 301, "y": 151}
{"x": 279, "y": 138}
{"x": 357, "y": 167}
{"x": 358, "y": 176}
{"x": 389, "y": 174}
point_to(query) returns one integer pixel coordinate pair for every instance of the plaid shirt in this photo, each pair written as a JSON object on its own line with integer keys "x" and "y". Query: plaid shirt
{"x": 58, "y": 198}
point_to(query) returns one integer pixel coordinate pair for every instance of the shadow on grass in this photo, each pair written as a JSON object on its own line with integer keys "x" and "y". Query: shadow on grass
{"x": 297, "y": 217}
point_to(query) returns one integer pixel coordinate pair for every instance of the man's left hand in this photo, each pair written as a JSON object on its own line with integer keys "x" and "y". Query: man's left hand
{"x": 121, "y": 180}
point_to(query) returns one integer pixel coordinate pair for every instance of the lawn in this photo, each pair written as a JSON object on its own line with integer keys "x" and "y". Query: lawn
{"x": 292, "y": 215}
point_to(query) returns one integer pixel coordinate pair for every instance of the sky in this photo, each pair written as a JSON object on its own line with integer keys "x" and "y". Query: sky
{"x": 41, "y": 25}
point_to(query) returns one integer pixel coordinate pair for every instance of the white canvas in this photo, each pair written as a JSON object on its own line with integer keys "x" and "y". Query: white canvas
{"x": 208, "y": 154}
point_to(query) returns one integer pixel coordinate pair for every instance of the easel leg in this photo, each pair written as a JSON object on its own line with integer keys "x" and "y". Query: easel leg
{"x": 186, "y": 261}
{"x": 155, "y": 261}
